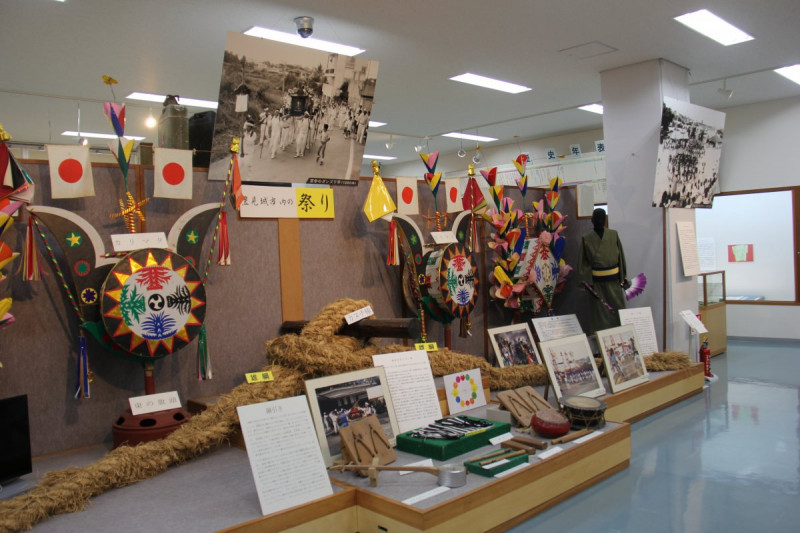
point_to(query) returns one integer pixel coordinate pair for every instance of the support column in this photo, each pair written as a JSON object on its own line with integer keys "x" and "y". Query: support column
{"x": 632, "y": 100}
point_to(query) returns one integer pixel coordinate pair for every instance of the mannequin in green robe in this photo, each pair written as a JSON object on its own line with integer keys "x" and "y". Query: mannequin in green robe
{"x": 601, "y": 264}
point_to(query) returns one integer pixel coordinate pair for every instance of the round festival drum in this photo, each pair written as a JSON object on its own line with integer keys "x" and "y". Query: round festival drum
{"x": 451, "y": 279}
{"x": 152, "y": 303}
{"x": 584, "y": 412}
{"x": 550, "y": 423}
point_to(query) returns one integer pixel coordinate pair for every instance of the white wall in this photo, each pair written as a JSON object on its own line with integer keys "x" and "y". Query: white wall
{"x": 758, "y": 153}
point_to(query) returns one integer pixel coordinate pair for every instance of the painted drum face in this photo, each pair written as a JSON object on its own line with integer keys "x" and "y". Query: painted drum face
{"x": 451, "y": 278}
{"x": 153, "y": 303}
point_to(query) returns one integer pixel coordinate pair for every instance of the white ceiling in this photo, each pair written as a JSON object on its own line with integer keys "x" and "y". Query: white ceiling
{"x": 54, "y": 54}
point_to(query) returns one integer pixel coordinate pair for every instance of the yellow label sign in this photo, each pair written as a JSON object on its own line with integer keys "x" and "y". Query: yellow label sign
{"x": 427, "y": 346}
{"x": 314, "y": 202}
{"x": 259, "y": 377}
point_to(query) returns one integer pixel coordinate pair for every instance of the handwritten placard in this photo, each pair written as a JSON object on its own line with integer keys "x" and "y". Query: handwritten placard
{"x": 286, "y": 202}
{"x": 358, "y": 314}
{"x": 127, "y": 242}
{"x": 550, "y": 328}
{"x": 443, "y": 237}
{"x": 687, "y": 239}
{"x": 691, "y": 319}
{"x": 153, "y": 403}
{"x": 284, "y": 453}
{"x": 413, "y": 390}
{"x": 259, "y": 377}
{"x": 642, "y": 320}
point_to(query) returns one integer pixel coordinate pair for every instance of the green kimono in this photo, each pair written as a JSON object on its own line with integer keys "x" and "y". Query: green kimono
{"x": 601, "y": 264}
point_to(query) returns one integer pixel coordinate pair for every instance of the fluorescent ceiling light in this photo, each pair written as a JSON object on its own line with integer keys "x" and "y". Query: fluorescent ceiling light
{"x": 310, "y": 42}
{"x": 490, "y": 83}
{"x": 468, "y": 137}
{"x": 792, "y": 73}
{"x": 191, "y": 102}
{"x": 379, "y": 157}
{"x": 91, "y": 135}
{"x": 593, "y": 108}
{"x": 713, "y": 27}
{"x": 376, "y": 124}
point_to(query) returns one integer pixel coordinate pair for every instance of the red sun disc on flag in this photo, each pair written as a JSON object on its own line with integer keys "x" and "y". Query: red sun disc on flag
{"x": 173, "y": 173}
{"x": 70, "y": 170}
{"x": 453, "y": 194}
{"x": 408, "y": 195}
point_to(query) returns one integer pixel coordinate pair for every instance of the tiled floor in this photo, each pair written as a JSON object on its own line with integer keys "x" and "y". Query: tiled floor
{"x": 726, "y": 460}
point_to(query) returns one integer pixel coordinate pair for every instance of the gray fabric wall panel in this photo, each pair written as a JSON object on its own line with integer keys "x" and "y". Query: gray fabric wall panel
{"x": 341, "y": 258}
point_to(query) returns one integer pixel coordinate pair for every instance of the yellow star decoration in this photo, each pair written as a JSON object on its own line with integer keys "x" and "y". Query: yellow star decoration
{"x": 108, "y": 80}
{"x": 74, "y": 240}
{"x": 192, "y": 237}
{"x": 129, "y": 210}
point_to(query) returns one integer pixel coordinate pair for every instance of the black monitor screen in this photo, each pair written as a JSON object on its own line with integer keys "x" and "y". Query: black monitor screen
{"x": 15, "y": 438}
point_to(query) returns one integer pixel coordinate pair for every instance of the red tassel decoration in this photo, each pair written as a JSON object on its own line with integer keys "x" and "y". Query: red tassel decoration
{"x": 31, "y": 266}
{"x": 392, "y": 258}
{"x": 224, "y": 246}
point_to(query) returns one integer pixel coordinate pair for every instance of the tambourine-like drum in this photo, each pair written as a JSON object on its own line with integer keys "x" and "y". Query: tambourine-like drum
{"x": 584, "y": 412}
{"x": 451, "y": 279}
{"x": 550, "y": 423}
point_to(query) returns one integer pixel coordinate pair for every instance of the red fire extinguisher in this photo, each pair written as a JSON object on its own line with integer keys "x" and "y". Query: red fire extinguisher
{"x": 705, "y": 357}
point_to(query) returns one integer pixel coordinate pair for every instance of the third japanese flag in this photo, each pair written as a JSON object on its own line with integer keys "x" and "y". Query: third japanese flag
{"x": 70, "y": 171}
{"x": 407, "y": 199}
{"x": 173, "y": 173}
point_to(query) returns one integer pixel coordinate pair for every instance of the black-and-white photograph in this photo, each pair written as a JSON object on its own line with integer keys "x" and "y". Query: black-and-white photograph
{"x": 300, "y": 113}
{"x": 514, "y": 345}
{"x": 571, "y": 367}
{"x": 337, "y": 401}
{"x": 690, "y": 144}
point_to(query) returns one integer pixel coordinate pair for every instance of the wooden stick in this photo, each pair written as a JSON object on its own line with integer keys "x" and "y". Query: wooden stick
{"x": 482, "y": 457}
{"x": 534, "y": 443}
{"x": 571, "y": 437}
{"x": 501, "y": 457}
{"x": 514, "y": 445}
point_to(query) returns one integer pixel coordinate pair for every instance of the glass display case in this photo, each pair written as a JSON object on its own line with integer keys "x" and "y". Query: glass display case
{"x": 711, "y": 304}
{"x": 711, "y": 287}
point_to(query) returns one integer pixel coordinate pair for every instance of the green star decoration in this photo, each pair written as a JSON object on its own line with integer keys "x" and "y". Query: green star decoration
{"x": 74, "y": 240}
{"x": 192, "y": 237}
{"x": 413, "y": 239}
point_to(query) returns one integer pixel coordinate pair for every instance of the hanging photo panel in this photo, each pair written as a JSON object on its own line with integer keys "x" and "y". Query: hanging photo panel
{"x": 300, "y": 113}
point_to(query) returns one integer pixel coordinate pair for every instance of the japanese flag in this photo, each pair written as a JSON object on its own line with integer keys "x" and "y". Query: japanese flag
{"x": 173, "y": 173}
{"x": 407, "y": 197}
{"x": 70, "y": 171}
{"x": 452, "y": 187}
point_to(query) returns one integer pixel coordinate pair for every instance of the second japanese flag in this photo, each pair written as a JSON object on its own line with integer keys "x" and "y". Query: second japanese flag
{"x": 173, "y": 173}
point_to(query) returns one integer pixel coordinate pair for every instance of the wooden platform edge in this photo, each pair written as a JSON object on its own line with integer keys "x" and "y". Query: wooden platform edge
{"x": 335, "y": 513}
{"x": 639, "y": 402}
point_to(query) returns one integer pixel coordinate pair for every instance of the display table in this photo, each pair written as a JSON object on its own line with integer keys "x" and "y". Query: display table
{"x": 663, "y": 389}
{"x": 483, "y": 504}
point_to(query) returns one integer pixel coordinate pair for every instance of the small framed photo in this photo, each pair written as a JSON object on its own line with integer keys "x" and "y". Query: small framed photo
{"x": 336, "y": 401}
{"x": 622, "y": 356}
{"x": 571, "y": 366}
{"x": 513, "y": 345}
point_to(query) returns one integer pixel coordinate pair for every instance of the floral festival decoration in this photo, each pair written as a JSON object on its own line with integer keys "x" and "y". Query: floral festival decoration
{"x": 529, "y": 268}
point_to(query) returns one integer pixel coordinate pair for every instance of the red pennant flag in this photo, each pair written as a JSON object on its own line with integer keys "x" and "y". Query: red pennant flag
{"x": 172, "y": 176}
{"x": 237, "y": 182}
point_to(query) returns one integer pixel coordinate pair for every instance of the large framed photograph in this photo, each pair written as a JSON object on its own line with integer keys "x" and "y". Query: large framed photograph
{"x": 514, "y": 345}
{"x": 622, "y": 357}
{"x": 300, "y": 113}
{"x": 571, "y": 366}
{"x": 336, "y": 401}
